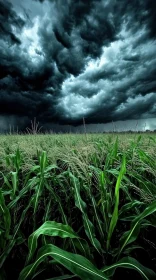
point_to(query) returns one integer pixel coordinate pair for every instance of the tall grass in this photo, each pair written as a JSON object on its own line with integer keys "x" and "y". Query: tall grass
{"x": 77, "y": 208}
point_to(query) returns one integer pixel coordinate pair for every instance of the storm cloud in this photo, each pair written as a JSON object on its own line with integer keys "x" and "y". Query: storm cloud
{"x": 61, "y": 61}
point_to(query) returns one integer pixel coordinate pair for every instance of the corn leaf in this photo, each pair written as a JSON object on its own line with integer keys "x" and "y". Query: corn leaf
{"x": 132, "y": 234}
{"x": 49, "y": 228}
{"x": 130, "y": 263}
{"x": 115, "y": 212}
{"x": 75, "y": 263}
{"x": 89, "y": 227}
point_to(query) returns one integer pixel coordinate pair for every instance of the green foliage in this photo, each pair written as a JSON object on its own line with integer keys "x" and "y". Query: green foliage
{"x": 114, "y": 218}
{"x": 130, "y": 263}
{"x": 77, "y": 208}
{"x": 51, "y": 229}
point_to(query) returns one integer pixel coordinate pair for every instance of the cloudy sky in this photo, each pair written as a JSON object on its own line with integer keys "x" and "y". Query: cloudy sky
{"x": 62, "y": 60}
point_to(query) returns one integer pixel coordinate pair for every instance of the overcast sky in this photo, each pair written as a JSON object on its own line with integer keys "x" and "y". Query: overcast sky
{"x": 62, "y": 60}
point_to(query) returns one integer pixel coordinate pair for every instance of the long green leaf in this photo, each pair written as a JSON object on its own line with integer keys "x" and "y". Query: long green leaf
{"x": 75, "y": 263}
{"x": 115, "y": 212}
{"x": 131, "y": 263}
{"x": 38, "y": 193}
{"x": 132, "y": 234}
{"x": 12, "y": 242}
{"x": 5, "y": 215}
{"x": 88, "y": 226}
{"x": 82, "y": 244}
{"x": 129, "y": 207}
{"x": 30, "y": 184}
{"x": 43, "y": 161}
{"x": 49, "y": 228}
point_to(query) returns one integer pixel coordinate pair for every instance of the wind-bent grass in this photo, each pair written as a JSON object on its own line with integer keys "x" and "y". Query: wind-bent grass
{"x": 86, "y": 202}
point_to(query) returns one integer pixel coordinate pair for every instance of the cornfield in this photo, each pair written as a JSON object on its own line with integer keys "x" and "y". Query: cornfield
{"x": 77, "y": 206}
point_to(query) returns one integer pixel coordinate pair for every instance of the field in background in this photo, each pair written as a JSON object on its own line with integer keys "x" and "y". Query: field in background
{"x": 78, "y": 206}
{"x": 55, "y": 144}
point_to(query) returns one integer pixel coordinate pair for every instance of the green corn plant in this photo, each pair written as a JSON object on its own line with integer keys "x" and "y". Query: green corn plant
{"x": 130, "y": 206}
{"x": 80, "y": 245}
{"x": 105, "y": 201}
{"x": 12, "y": 179}
{"x": 75, "y": 263}
{"x": 31, "y": 183}
{"x": 42, "y": 174}
{"x": 15, "y": 160}
{"x": 89, "y": 192}
{"x": 130, "y": 263}
{"x": 40, "y": 183}
{"x": 145, "y": 158}
{"x": 15, "y": 181}
{"x": 5, "y": 222}
{"x": 111, "y": 155}
{"x": 88, "y": 226}
{"x": 114, "y": 218}
{"x": 14, "y": 239}
{"x": 50, "y": 228}
{"x": 92, "y": 206}
{"x": 144, "y": 184}
{"x": 132, "y": 234}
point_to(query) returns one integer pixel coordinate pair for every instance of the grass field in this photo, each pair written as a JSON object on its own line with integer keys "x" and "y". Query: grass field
{"x": 78, "y": 206}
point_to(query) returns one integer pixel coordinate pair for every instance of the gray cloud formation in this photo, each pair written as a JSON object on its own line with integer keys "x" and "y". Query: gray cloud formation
{"x": 61, "y": 62}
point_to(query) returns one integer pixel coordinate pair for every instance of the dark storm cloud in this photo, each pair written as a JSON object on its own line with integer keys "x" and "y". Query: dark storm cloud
{"x": 39, "y": 1}
{"x": 8, "y": 21}
{"x": 78, "y": 31}
{"x": 80, "y": 58}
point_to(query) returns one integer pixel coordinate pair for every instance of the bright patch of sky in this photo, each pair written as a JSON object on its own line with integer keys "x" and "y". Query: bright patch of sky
{"x": 30, "y": 41}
